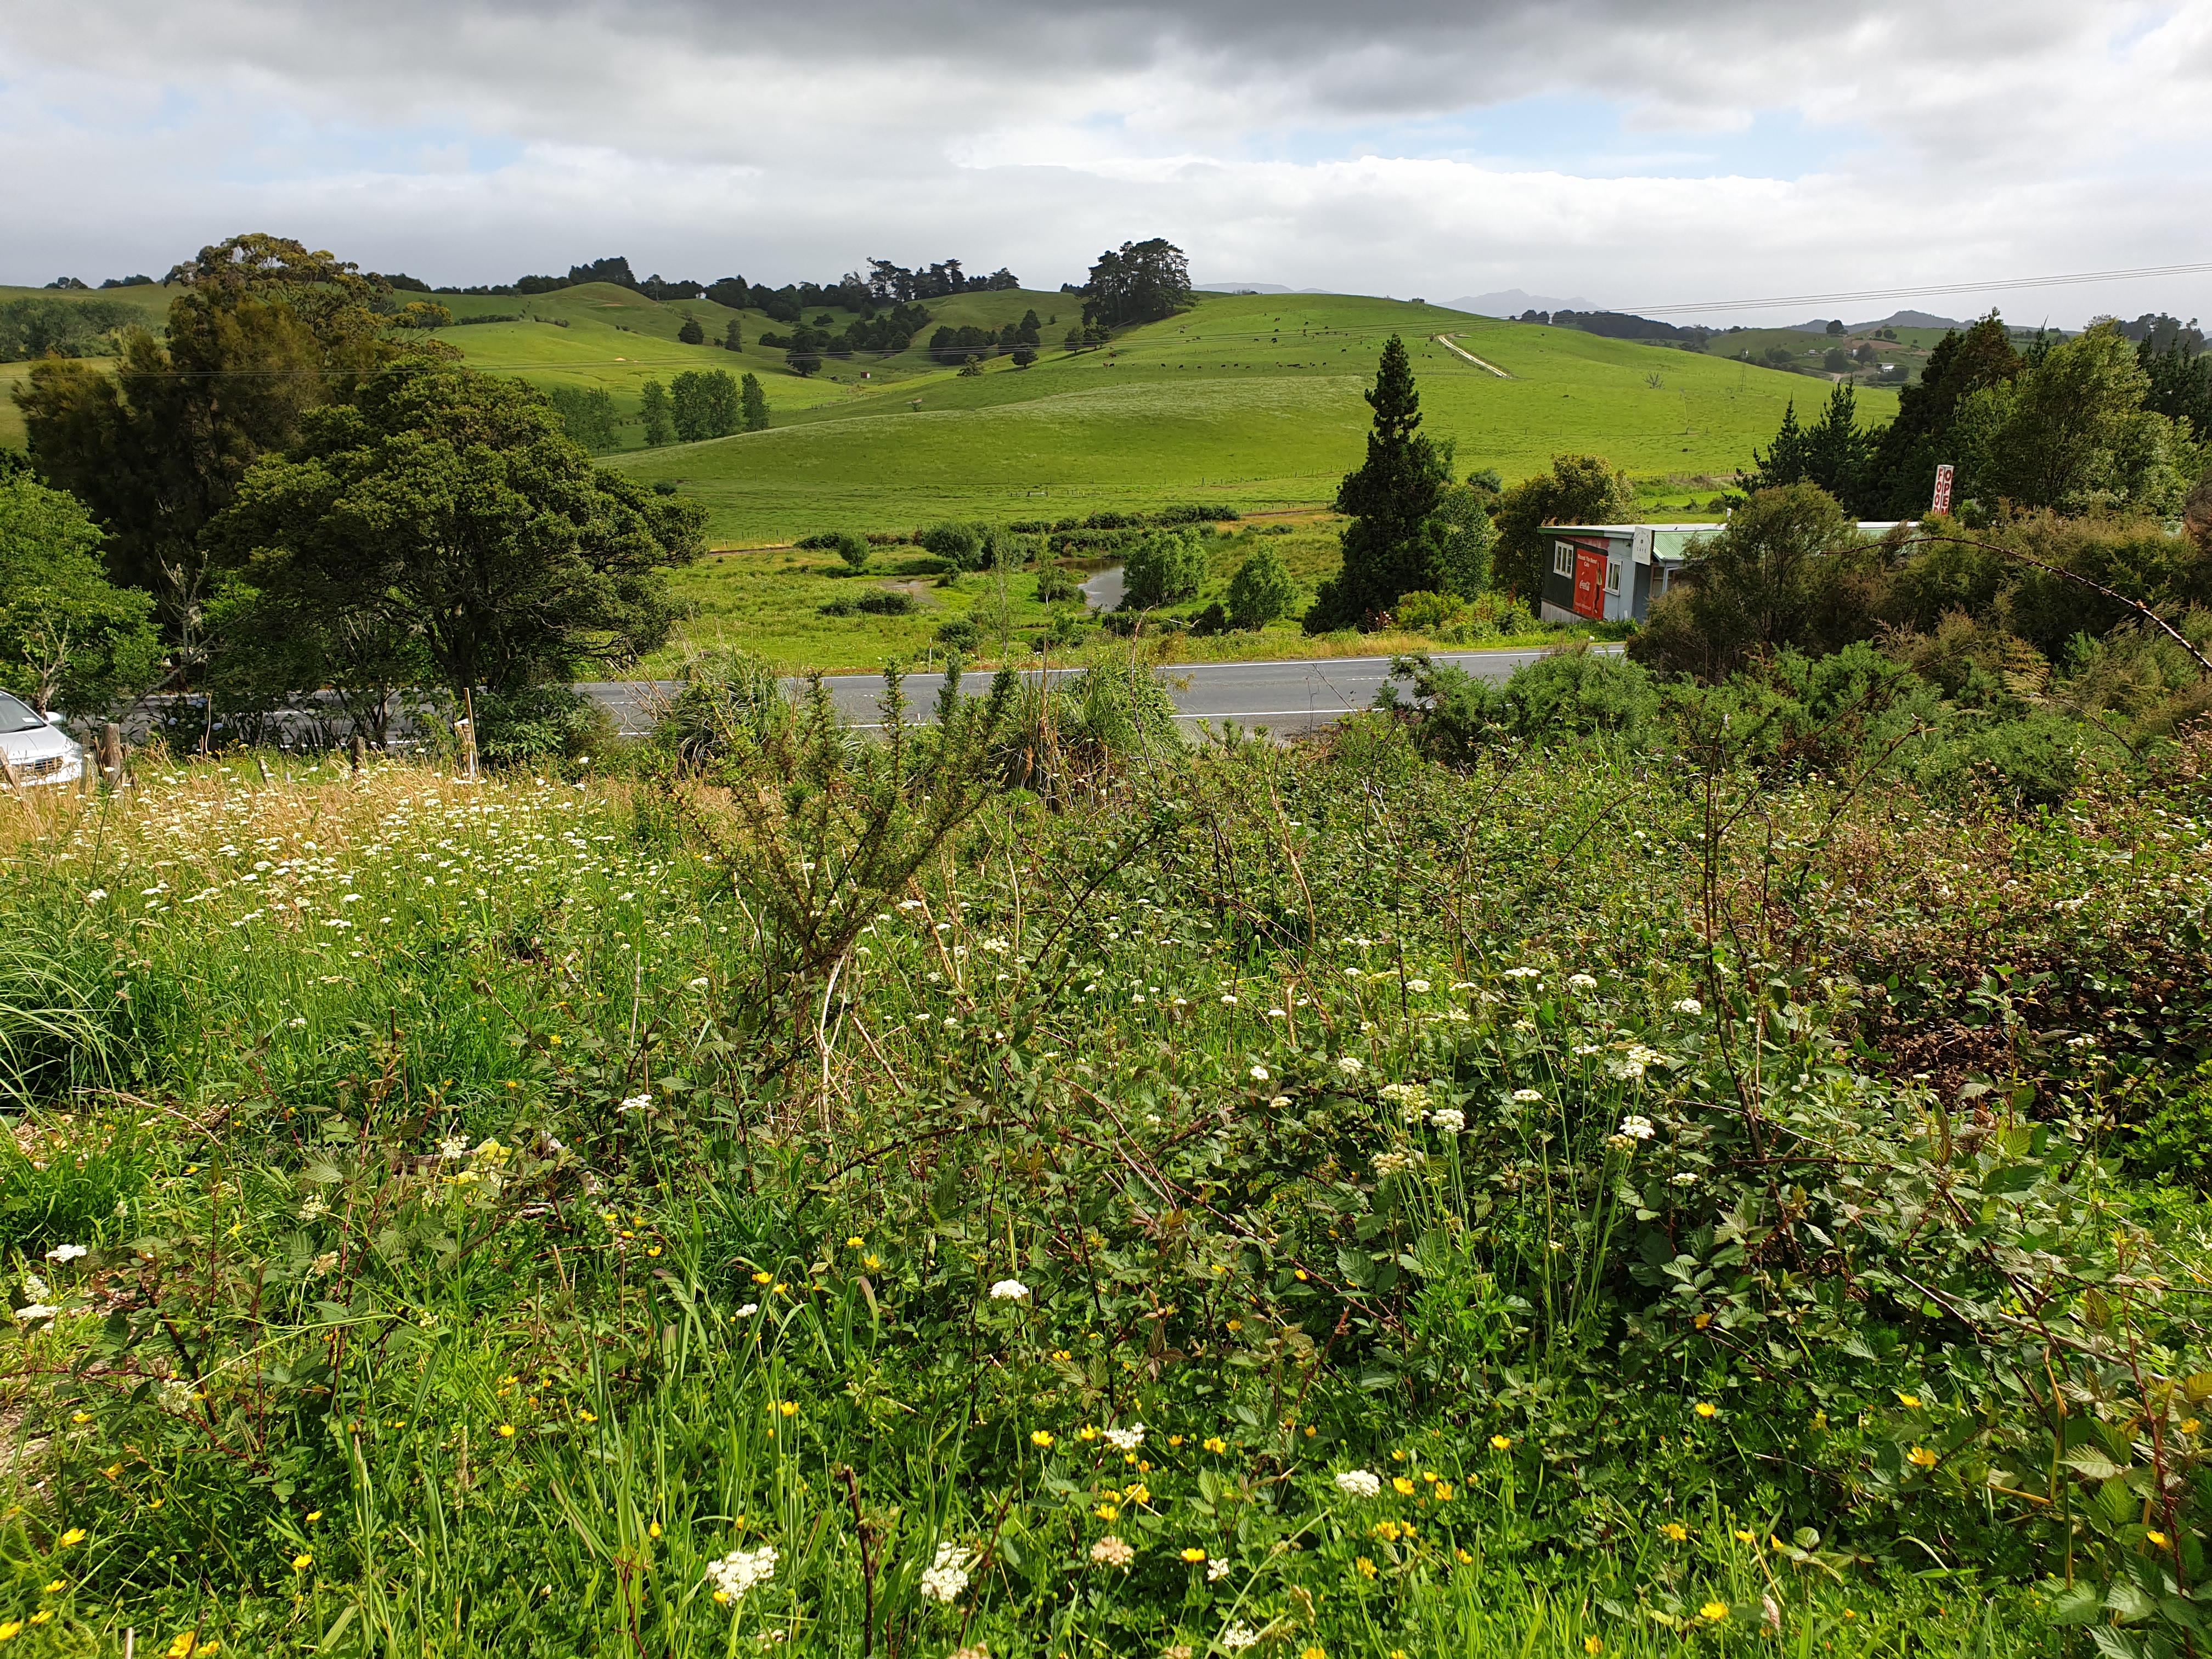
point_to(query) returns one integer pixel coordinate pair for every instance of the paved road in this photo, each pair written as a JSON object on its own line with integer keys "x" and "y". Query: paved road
{"x": 1283, "y": 697}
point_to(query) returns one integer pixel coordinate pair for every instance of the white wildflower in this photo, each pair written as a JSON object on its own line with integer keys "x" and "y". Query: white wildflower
{"x": 1448, "y": 1118}
{"x": 1527, "y": 1096}
{"x": 1581, "y": 982}
{"x": 1259, "y": 1074}
{"x": 748, "y": 1310}
{"x": 636, "y": 1104}
{"x": 1010, "y": 1290}
{"x": 66, "y": 1253}
{"x": 740, "y": 1569}
{"x": 296, "y": 1021}
{"x": 35, "y": 1287}
{"x": 997, "y": 947}
{"x": 1360, "y": 1483}
{"x": 1126, "y": 1440}
{"x": 949, "y": 1577}
{"x": 699, "y": 984}
{"x": 1524, "y": 973}
{"x": 1215, "y": 1568}
{"x": 453, "y": 1147}
{"x": 95, "y": 896}
{"x": 1229, "y": 1002}
{"x": 1350, "y": 1065}
{"x": 1637, "y": 1128}
{"x": 1689, "y": 1006}
{"x": 1112, "y": 1552}
{"x": 1389, "y": 1163}
{"x": 1417, "y": 986}
{"x": 1412, "y": 1097}
{"x": 31, "y": 1312}
{"x": 1687, "y": 1178}
{"x": 1237, "y": 1637}
{"x": 315, "y": 1209}
{"x": 1279, "y": 1101}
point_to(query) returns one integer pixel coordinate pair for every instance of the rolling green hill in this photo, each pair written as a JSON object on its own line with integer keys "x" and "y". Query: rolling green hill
{"x": 1245, "y": 400}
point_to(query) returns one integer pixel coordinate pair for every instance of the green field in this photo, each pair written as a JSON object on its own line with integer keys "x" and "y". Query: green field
{"x": 769, "y": 601}
{"x": 1246, "y": 401}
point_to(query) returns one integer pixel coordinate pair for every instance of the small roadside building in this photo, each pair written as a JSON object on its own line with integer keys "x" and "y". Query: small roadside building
{"x": 1613, "y": 572}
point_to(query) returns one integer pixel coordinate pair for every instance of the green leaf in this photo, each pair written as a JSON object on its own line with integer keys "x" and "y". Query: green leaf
{"x": 2091, "y": 1461}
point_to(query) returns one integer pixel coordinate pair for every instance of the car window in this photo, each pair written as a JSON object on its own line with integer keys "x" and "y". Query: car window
{"x": 18, "y": 716}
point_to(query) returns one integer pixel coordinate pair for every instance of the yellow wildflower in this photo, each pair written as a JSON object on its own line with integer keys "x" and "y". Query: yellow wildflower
{"x": 1312, "y": 1653}
{"x": 302, "y": 1561}
{"x": 653, "y": 1529}
{"x": 1465, "y": 1559}
{"x": 1591, "y": 1644}
{"x": 2189, "y": 1426}
{"x": 1674, "y": 1532}
{"x": 314, "y": 1515}
{"x": 1444, "y": 1492}
{"x": 80, "y": 1417}
{"x": 1713, "y": 1611}
{"x": 789, "y": 1408}
{"x": 74, "y": 1536}
{"x": 1706, "y": 1408}
{"x": 506, "y": 1430}
{"x": 1402, "y": 1486}
{"x": 1385, "y": 1530}
{"x": 56, "y": 1588}
{"x": 855, "y": 1243}
{"x": 871, "y": 1260}
{"x": 1106, "y": 1511}
{"x": 2156, "y": 1540}
{"x": 1364, "y": 1567}
{"x": 1921, "y": 1457}
{"x": 1216, "y": 1444}
{"x": 1501, "y": 1443}
{"x": 1193, "y": 1555}
{"x": 1086, "y": 1432}
{"x": 1175, "y": 1440}
{"x": 763, "y": 1279}
{"x": 40, "y": 1617}
{"x": 1909, "y": 1401}
{"x": 1041, "y": 1438}
{"x": 12, "y": 1629}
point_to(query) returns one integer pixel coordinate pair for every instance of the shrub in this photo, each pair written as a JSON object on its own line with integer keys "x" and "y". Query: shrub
{"x": 1163, "y": 567}
{"x": 959, "y": 544}
{"x": 1262, "y": 590}
{"x": 889, "y": 602}
{"x": 1055, "y": 583}
{"x": 538, "y": 723}
{"x": 1443, "y": 615}
{"x": 959, "y": 634}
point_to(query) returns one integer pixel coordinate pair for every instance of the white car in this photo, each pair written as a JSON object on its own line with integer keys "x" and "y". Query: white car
{"x": 37, "y": 750}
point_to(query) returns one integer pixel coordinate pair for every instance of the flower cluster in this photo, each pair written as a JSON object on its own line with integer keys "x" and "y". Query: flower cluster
{"x": 1360, "y": 1483}
{"x": 1126, "y": 1440}
{"x": 1112, "y": 1552}
{"x": 948, "y": 1575}
{"x": 740, "y": 1569}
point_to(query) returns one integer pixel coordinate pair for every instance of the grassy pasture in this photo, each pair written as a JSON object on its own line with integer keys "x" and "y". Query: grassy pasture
{"x": 465, "y": 1269}
{"x": 1248, "y": 401}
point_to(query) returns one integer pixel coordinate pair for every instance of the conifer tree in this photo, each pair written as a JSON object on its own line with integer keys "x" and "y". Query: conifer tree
{"x": 753, "y": 401}
{"x": 1390, "y": 498}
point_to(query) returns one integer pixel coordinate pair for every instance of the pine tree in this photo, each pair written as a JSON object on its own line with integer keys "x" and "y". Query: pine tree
{"x": 733, "y": 337}
{"x": 753, "y": 401}
{"x": 1390, "y": 499}
{"x": 691, "y": 333}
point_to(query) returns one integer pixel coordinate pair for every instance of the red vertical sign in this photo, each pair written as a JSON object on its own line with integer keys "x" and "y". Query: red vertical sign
{"x": 1942, "y": 501}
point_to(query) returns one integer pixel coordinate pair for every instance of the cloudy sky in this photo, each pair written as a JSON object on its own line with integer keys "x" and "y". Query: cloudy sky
{"x": 1636, "y": 153}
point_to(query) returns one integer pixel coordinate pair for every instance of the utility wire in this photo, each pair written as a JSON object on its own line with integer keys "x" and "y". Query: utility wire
{"x": 2001, "y": 283}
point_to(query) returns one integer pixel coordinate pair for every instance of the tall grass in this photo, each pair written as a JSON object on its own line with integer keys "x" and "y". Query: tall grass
{"x": 518, "y": 1224}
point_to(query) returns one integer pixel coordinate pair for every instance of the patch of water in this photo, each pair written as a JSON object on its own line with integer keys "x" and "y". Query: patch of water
{"x": 1103, "y": 590}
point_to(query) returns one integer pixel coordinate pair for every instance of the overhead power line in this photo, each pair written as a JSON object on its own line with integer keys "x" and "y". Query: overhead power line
{"x": 2003, "y": 283}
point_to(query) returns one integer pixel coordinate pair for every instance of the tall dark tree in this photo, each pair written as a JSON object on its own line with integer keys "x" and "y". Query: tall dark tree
{"x": 693, "y": 332}
{"x": 1834, "y": 452}
{"x": 1900, "y": 476}
{"x": 263, "y": 329}
{"x": 659, "y": 426}
{"x": 450, "y": 509}
{"x": 703, "y": 404}
{"x": 1389, "y": 498}
{"x": 1140, "y": 283}
{"x": 753, "y": 401}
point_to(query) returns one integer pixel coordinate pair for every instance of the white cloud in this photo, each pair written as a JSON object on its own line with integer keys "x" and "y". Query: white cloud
{"x": 1864, "y": 143}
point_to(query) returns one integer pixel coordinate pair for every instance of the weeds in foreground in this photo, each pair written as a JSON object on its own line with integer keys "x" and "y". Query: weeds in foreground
{"x": 1303, "y": 1201}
